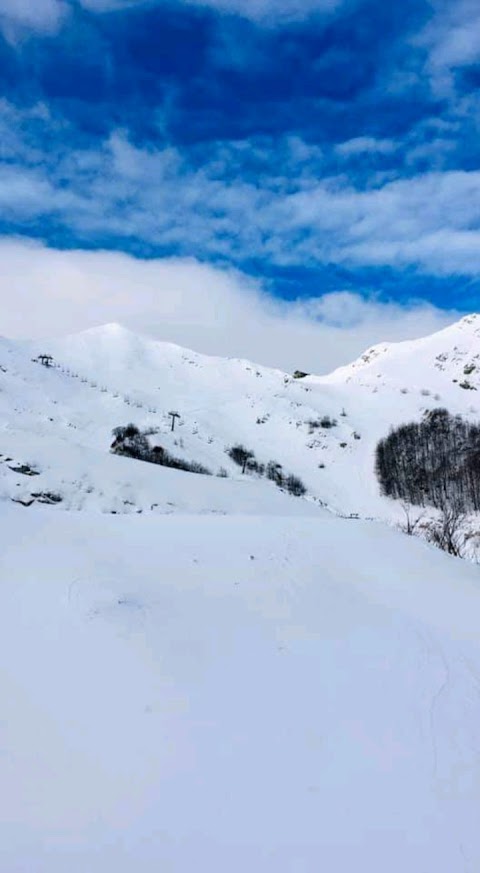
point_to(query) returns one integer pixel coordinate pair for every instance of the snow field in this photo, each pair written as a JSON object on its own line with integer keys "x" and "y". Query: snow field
{"x": 193, "y": 692}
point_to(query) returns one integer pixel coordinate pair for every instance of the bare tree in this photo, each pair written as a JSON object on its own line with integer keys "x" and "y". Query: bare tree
{"x": 447, "y": 532}
{"x": 411, "y": 523}
{"x": 431, "y": 462}
{"x": 241, "y": 456}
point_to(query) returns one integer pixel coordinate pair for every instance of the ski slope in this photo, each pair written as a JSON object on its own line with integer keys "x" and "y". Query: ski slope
{"x": 236, "y": 693}
{"x": 202, "y": 672}
{"x": 59, "y": 420}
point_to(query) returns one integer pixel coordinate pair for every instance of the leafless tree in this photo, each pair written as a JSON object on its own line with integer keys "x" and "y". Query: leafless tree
{"x": 411, "y": 524}
{"x": 448, "y": 531}
{"x": 241, "y": 456}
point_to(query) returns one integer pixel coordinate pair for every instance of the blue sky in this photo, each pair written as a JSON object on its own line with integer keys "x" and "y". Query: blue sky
{"x": 317, "y": 145}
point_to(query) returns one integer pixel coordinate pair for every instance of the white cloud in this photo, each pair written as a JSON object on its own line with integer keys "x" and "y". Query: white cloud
{"x": 19, "y": 18}
{"x": 266, "y": 11}
{"x": 428, "y": 221}
{"x": 366, "y": 144}
{"x": 452, "y": 39}
{"x": 45, "y": 292}
{"x": 287, "y": 216}
{"x": 443, "y": 250}
{"x": 114, "y": 5}
{"x": 277, "y": 11}
{"x": 41, "y": 16}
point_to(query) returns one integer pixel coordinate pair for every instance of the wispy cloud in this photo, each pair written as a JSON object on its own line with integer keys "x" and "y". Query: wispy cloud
{"x": 452, "y": 40}
{"x": 271, "y": 11}
{"x": 283, "y": 214}
{"x": 41, "y": 16}
{"x": 361, "y": 145}
{"x": 18, "y": 17}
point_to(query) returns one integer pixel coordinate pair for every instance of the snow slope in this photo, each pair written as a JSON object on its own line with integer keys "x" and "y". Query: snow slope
{"x": 203, "y": 673}
{"x": 61, "y": 419}
{"x": 59, "y": 423}
{"x": 235, "y": 693}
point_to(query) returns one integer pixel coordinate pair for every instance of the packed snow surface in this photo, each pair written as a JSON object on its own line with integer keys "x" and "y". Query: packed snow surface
{"x": 204, "y": 673}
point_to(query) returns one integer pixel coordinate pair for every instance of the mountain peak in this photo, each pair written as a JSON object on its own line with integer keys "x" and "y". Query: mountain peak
{"x": 111, "y": 328}
{"x": 443, "y": 360}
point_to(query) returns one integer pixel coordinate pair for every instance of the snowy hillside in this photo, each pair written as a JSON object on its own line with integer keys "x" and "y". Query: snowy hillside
{"x": 322, "y": 429}
{"x": 202, "y": 693}
{"x": 205, "y": 673}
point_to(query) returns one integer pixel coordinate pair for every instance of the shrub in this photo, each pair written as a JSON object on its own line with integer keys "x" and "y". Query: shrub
{"x": 129, "y": 430}
{"x": 132, "y": 443}
{"x": 327, "y": 422}
{"x": 295, "y": 486}
{"x": 275, "y": 473}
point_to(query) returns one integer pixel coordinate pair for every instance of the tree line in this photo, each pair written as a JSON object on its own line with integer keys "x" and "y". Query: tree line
{"x": 434, "y": 462}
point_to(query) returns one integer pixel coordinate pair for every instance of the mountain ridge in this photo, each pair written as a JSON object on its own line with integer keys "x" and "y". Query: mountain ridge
{"x": 323, "y": 429}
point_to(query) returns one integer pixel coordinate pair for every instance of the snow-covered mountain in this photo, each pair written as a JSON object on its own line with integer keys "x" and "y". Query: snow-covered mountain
{"x": 59, "y": 420}
{"x": 221, "y": 676}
